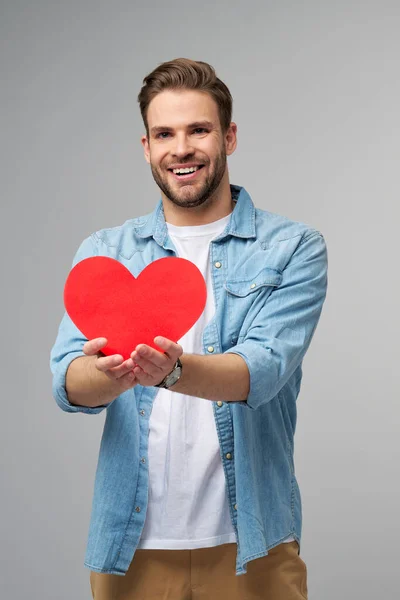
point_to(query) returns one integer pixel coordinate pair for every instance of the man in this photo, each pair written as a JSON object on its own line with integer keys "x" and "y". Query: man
{"x": 195, "y": 493}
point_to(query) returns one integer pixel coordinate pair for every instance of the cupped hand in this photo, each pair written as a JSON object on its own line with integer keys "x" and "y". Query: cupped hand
{"x": 151, "y": 366}
{"x": 114, "y": 366}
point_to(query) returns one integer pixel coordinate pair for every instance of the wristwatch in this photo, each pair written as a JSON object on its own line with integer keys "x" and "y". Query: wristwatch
{"x": 172, "y": 378}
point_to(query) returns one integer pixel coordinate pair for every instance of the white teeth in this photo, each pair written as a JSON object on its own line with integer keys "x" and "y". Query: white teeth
{"x": 190, "y": 170}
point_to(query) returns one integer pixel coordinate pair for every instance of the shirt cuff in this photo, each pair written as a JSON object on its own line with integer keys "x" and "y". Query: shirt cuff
{"x": 256, "y": 358}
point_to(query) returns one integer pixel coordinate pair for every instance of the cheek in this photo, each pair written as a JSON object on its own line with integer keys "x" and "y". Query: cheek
{"x": 157, "y": 155}
{"x": 158, "y": 161}
{"x": 213, "y": 152}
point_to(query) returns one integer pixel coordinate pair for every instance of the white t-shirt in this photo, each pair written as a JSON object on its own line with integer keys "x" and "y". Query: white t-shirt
{"x": 188, "y": 503}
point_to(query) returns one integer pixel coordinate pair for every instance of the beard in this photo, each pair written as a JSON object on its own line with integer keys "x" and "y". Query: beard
{"x": 192, "y": 195}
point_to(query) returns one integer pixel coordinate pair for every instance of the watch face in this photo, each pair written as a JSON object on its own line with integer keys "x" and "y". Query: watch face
{"x": 173, "y": 377}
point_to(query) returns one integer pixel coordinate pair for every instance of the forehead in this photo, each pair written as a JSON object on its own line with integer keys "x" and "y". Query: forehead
{"x": 176, "y": 108}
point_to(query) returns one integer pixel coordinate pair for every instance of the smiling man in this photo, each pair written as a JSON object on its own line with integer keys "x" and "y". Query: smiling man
{"x": 195, "y": 492}
{"x": 201, "y": 182}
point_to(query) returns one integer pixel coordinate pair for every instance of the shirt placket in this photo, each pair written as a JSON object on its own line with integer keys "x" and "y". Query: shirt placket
{"x": 222, "y": 411}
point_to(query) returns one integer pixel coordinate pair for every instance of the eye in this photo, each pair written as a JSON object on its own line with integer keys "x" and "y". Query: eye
{"x": 162, "y": 134}
{"x": 201, "y": 129}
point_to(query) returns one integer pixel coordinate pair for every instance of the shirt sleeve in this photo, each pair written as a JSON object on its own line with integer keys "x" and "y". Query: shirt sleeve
{"x": 280, "y": 333}
{"x": 68, "y": 345}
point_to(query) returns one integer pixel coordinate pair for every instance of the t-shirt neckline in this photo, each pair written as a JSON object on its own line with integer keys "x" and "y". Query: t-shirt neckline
{"x": 198, "y": 230}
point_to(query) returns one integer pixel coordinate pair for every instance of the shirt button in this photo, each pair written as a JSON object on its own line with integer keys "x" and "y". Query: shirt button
{"x": 235, "y": 507}
{"x": 143, "y": 460}
{"x": 210, "y": 349}
{"x": 229, "y": 456}
{"x": 218, "y": 265}
{"x": 142, "y": 413}
{"x": 253, "y": 285}
{"x": 219, "y": 403}
{"x": 137, "y": 509}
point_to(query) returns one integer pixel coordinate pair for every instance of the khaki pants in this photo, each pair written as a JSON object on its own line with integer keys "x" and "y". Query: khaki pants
{"x": 206, "y": 574}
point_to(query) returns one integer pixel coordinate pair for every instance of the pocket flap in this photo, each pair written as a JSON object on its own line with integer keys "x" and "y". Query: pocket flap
{"x": 244, "y": 287}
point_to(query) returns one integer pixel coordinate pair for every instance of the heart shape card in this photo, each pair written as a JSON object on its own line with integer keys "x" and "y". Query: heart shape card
{"x": 104, "y": 299}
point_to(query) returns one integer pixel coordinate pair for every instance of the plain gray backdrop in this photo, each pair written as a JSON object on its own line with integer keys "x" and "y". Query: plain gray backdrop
{"x": 316, "y": 93}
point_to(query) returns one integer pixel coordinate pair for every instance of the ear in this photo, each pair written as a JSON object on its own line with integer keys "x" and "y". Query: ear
{"x": 231, "y": 139}
{"x": 146, "y": 148}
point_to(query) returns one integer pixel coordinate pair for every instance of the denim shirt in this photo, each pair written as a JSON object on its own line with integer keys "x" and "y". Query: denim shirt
{"x": 269, "y": 284}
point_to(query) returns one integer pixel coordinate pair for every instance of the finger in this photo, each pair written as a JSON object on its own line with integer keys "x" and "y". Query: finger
{"x": 92, "y": 347}
{"x": 105, "y": 363}
{"x": 120, "y": 371}
{"x": 148, "y": 366}
{"x": 169, "y": 347}
{"x": 159, "y": 359}
{"x": 143, "y": 378}
{"x": 128, "y": 380}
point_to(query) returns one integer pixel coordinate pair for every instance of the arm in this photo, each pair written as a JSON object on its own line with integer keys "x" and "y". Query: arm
{"x": 219, "y": 377}
{"x": 95, "y": 380}
{"x": 281, "y": 332}
{"x": 83, "y": 381}
{"x": 270, "y": 351}
{"x": 85, "y": 386}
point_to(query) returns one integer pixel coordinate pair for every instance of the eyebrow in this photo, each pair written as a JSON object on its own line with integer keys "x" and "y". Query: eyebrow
{"x": 160, "y": 128}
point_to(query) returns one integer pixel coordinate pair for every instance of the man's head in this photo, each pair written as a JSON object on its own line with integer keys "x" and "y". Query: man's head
{"x": 187, "y": 114}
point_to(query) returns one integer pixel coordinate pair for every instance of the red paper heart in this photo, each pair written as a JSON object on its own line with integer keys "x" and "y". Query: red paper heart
{"x": 104, "y": 299}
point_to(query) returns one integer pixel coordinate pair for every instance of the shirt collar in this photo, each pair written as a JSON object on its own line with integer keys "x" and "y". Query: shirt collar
{"x": 241, "y": 223}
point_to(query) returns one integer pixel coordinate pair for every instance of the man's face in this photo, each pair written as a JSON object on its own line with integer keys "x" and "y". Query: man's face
{"x": 184, "y": 130}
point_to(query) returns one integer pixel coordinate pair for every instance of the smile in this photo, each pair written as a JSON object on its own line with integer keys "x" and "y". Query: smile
{"x": 185, "y": 174}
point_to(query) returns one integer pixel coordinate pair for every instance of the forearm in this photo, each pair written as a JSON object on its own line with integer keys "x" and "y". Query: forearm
{"x": 87, "y": 386}
{"x": 221, "y": 377}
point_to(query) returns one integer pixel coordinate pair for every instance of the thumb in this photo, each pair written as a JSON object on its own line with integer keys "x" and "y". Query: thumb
{"x": 92, "y": 347}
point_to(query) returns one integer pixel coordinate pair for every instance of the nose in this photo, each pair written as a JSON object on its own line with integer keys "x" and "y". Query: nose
{"x": 182, "y": 146}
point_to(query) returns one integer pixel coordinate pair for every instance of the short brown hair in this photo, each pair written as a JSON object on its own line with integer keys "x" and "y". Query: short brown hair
{"x": 183, "y": 73}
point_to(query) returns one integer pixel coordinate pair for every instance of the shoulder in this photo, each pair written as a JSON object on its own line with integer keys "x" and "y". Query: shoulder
{"x": 273, "y": 228}
{"x": 112, "y": 235}
{"x": 122, "y": 239}
{"x": 283, "y": 241}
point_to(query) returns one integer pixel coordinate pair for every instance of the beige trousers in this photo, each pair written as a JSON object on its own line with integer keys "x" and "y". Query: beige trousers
{"x": 206, "y": 574}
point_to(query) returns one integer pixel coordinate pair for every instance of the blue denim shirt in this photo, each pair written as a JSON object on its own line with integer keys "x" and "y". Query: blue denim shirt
{"x": 269, "y": 287}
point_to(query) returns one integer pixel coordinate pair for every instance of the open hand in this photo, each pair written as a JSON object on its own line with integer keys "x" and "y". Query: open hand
{"x": 114, "y": 365}
{"x": 151, "y": 365}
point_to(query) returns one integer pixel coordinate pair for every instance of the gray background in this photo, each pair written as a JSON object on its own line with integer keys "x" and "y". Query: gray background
{"x": 316, "y": 99}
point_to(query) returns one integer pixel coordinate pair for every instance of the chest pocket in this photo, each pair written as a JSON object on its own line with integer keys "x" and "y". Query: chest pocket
{"x": 245, "y": 297}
